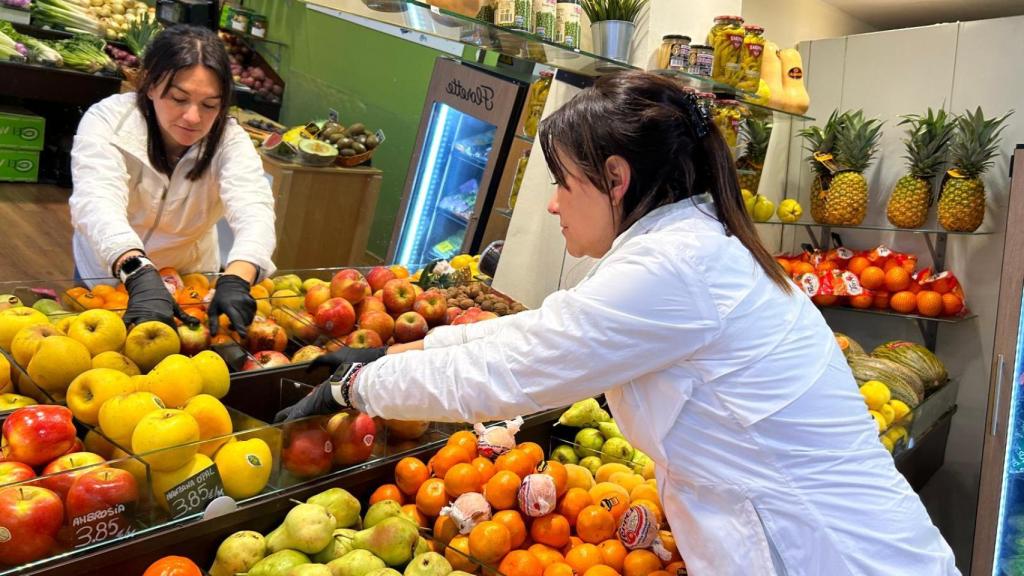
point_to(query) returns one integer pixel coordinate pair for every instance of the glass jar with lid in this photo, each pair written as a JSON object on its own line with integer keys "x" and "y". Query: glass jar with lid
{"x": 726, "y": 38}
{"x": 674, "y": 53}
{"x": 750, "y": 59}
{"x": 727, "y": 115}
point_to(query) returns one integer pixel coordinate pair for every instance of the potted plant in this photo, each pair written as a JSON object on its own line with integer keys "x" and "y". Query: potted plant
{"x": 612, "y": 23}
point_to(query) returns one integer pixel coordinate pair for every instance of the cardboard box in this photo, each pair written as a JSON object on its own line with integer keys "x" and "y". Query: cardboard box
{"x": 20, "y": 129}
{"x": 18, "y": 165}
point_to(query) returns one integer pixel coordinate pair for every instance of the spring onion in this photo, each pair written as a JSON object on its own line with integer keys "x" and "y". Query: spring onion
{"x": 85, "y": 53}
{"x": 9, "y": 49}
{"x": 65, "y": 14}
{"x": 38, "y": 51}
{"x": 140, "y": 32}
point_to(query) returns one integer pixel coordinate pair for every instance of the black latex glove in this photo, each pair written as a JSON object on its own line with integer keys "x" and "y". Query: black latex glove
{"x": 347, "y": 355}
{"x": 319, "y": 401}
{"x": 232, "y": 297}
{"x": 148, "y": 299}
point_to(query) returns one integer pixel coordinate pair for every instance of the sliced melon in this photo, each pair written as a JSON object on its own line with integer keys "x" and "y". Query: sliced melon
{"x": 316, "y": 153}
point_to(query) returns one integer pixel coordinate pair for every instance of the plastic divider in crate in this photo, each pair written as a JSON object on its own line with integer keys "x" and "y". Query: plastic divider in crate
{"x": 905, "y": 433}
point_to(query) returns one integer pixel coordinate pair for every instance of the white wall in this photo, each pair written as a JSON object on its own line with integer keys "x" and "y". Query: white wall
{"x": 792, "y": 21}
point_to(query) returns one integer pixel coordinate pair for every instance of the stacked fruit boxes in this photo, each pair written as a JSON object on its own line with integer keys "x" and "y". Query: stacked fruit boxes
{"x": 21, "y": 140}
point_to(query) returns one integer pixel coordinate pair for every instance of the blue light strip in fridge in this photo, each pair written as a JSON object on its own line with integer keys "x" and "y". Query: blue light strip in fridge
{"x": 1013, "y": 446}
{"x": 424, "y": 181}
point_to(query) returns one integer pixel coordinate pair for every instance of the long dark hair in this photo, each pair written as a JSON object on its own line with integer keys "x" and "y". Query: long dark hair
{"x": 648, "y": 120}
{"x": 175, "y": 49}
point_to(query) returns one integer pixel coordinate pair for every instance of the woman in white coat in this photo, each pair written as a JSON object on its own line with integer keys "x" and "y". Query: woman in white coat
{"x": 156, "y": 169}
{"x": 713, "y": 363}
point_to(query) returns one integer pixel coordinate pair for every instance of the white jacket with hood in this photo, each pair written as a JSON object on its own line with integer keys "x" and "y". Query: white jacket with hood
{"x": 121, "y": 202}
{"x": 766, "y": 458}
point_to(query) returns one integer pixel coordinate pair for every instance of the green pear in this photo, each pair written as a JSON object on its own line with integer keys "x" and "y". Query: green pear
{"x": 585, "y": 413}
{"x": 238, "y": 553}
{"x": 591, "y": 463}
{"x": 422, "y": 547}
{"x": 381, "y": 511}
{"x": 588, "y": 442}
{"x": 616, "y": 450}
{"x": 307, "y": 528}
{"x": 339, "y": 502}
{"x": 288, "y": 282}
{"x": 310, "y": 570}
{"x": 565, "y": 454}
{"x": 428, "y": 564}
{"x": 355, "y": 563}
{"x": 609, "y": 430}
{"x": 385, "y": 572}
{"x": 45, "y": 305}
{"x": 640, "y": 458}
{"x": 341, "y": 544}
{"x": 278, "y": 563}
{"x": 393, "y": 540}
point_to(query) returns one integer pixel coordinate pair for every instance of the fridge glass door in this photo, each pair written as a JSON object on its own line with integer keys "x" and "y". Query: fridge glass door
{"x": 456, "y": 152}
{"x": 1010, "y": 532}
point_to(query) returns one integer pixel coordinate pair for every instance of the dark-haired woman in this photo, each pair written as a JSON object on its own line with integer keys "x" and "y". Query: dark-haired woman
{"x": 156, "y": 169}
{"x": 713, "y": 363}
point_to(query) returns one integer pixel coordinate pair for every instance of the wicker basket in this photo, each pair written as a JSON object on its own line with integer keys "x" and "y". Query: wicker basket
{"x": 353, "y": 161}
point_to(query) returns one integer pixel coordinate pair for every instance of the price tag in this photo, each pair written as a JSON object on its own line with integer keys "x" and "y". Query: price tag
{"x": 194, "y": 494}
{"x": 101, "y": 525}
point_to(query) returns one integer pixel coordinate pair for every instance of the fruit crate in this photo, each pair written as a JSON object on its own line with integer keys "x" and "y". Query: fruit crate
{"x": 908, "y": 432}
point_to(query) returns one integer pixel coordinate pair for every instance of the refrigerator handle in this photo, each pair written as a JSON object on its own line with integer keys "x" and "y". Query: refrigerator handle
{"x": 998, "y": 391}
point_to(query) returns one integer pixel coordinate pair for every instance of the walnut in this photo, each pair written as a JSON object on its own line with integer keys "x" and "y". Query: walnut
{"x": 500, "y": 308}
{"x": 466, "y": 303}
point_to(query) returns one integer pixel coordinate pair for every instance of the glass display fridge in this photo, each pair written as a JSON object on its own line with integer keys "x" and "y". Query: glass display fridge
{"x": 465, "y": 135}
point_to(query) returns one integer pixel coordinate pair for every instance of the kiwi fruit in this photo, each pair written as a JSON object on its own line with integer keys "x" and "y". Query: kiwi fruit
{"x": 372, "y": 141}
{"x": 359, "y": 148}
{"x": 346, "y": 152}
{"x": 356, "y": 129}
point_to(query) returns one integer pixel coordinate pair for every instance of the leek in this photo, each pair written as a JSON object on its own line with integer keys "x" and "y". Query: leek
{"x": 65, "y": 14}
{"x": 85, "y": 53}
{"x": 38, "y": 51}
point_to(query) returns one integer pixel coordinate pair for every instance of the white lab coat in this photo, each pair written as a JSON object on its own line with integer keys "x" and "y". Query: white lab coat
{"x": 767, "y": 460}
{"x": 121, "y": 202}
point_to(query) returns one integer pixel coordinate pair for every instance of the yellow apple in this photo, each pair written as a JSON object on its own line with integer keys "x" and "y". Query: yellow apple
{"x": 175, "y": 380}
{"x": 57, "y": 362}
{"x": 214, "y": 421}
{"x": 310, "y": 282}
{"x": 100, "y": 330}
{"x": 10, "y": 401}
{"x": 289, "y": 299}
{"x": 96, "y": 443}
{"x": 166, "y": 438}
{"x": 13, "y": 320}
{"x": 119, "y": 415}
{"x": 244, "y": 467}
{"x": 126, "y": 461}
{"x": 27, "y": 340}
{"x": 214, "y": 372}
{"x": 149, "y": 343}
{"x": 164, "y": 481}
{"x": 63, "y": 323}
{"x": 6, "y": 384}
{"x": 115, "y": 361}
{"x": 94, "y": 387}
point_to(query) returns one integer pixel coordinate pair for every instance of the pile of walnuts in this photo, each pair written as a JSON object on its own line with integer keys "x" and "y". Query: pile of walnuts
{"x": 480, "y": 295}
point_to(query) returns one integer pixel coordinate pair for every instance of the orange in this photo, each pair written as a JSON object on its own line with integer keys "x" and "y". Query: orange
{"x": 489, "y": 541}
{"x": 516, "y": 460}
{"x": 89, "y": 301}
{"x": 825, "y": 266}
{"x": 103, "y": 290}
{"x": 387, "y": 492}
{"x": 559, "y": 569}
{"x": 445, "y": 529}
{"x": 557, "y": 471}
{"x": 551, "y": 530}
{"x": 197, "y": 281}
{"x": 668, "y": 541}
{"x": 786, "y": 267}
{"x": 613, "y": 553}
{"x": 413, "y": 513}
{"x": 410, "y": 473}
{"x": 858, "y": 264}
{"x": 872, "y": 278}
{"x": 799, "y": 268}
{"x": 446, "y": 458}
{"x": 890, "y": 264}
{"x": 675, "y": 567}
{"x": 521, "y": 563}
{"x": 457, "y": 554}
{"x": 72, "y": 294}
{"x": 896, "y": 279}
{"x": 484, "y": 466}
{"x": 644, "y": 491}
{"x": 512, "y": 520}
{"x": 929, "y": 303}
{"x": 661, "y": 573}
{"x": 611, "y": 496}
{"x": 825, "y": 299}
{"x": 595, "y": 524}
{"x": 583, "y": 557}
{"x": 173, "y": 566}
{"x": 115, "y": 301}
{"x": 904, "y": 302}
{"x": 464, "y": 439}
{"x": 462, "y": 478}
{"x": 951, "y": 304}
{"x": 122, "y": 288}
{"x": 862, "y": 300}
{"x": 881, "y": 301}
{"x": 431, "y": 497}
{"x": 502, "y": 490}
{"x": 574, "y": 501}
{"x": 546, "y": 554}
{"x": 640, "y": 563}
{"x": 573, "y": 542}
{"x": 534, "y": 450}
{"x": 601, "y": 570}
{"x": 189, "y": 297}
{"x": 910, "y": 264}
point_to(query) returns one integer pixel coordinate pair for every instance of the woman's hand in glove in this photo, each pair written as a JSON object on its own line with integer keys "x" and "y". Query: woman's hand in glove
{"x": 319, "y": 401}
{"x": 231, "y": 296}
{"x": 148, "y": 299}
{"x": 347, "y": 355}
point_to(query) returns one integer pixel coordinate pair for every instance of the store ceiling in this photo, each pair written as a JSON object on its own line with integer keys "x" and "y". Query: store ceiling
{"x": 887, "y": 14}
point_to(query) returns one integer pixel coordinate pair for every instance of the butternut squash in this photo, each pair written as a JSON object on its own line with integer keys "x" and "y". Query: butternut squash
{"x": 795, "y": 98}
{"x": 771, "y": 73}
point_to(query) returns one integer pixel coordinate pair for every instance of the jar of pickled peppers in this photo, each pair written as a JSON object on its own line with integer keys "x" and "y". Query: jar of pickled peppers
{"x": 750, "y": 59}
{"x": 726, "y": 38}
{"x": 727, "y": 115}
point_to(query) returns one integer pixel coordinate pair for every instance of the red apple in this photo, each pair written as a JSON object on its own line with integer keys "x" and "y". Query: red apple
{"x": 265, "y": 359}
{"x": 335, "y": 317}
{"x": 432, "y": 305}
{"x": 36, "y": 435}
{"x": 363, "y": 338}
{"x": 60, "y": 474}
{"x": 99, "y": 489}
{"x": 410, "y": 327}
{"x": 32, "y": 516}
{"x": 379, "y": 294}
{"x": 379, "y": 276}
{"x": 371, "y": 304}
{"x": 350, "y": 285}
{"x": 194, "y": 339}
{"x": 472, "y": 316}
{"x": 353, "y": 435}
{"x": 307, "y": 449}
{"x": 347, "y": 274}
{"x": 317, "y": 295}
{"x": 304, "y": 327}
{"x": 380, "y": 322}
{"x": 12, "y": 472}
{"x": 267, "y": 335}
{"x": 452, "y": 313}
{"x": 306, "y": 354}
{"x": 76, "y": 446}
{"x": 399, "y": 295}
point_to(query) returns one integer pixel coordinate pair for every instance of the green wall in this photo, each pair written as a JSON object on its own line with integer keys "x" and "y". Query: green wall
{"x": 367, "y": 76}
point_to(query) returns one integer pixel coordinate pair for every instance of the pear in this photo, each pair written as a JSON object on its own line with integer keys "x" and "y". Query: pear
{"x": 278, "y": 563}
{"x": 341, "y": 544}
{"x": 381, "y": 511}
{"x": 310, "y": 570}
{"x": 355, "y": 563}
{"x": 344, "y": 506}
{"x": 609, "y": 430}
{"x": 588, "y": 442}
{"x": 616, "y": 450}
{"x": 385, "y": 572}
{"x": 307, "y": 528}
{"x": 238, "y": 553}
{"x": 565, "y": 454}
{"x": 429, "y": 564}
{"x": 583, "y": 414}
{"x": 422, "y": 547}
{"x": 393, "y": 540}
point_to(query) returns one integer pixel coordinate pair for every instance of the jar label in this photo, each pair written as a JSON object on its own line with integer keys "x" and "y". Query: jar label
{"x": 755, "y": 50}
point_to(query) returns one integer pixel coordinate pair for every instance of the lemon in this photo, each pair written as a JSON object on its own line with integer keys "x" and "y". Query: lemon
{"x": 888, "y": 413}
{"x": 461, "y": 261}
{"x": 879, "y": 419}
{"x": 875, "y": 394}
{"x": 899, "y": 408}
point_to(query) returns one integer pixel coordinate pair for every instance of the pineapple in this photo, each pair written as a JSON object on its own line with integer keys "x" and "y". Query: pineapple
{"x": 820, "y": 143}
{"x": 757, "y": 133}
{"x": 975, "y": 143}
{"x": 856, "y": 143}
{"x": 927, "y": 139}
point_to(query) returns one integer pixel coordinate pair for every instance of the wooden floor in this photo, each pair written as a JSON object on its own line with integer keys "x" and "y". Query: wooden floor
{"x": 35, "y": 225}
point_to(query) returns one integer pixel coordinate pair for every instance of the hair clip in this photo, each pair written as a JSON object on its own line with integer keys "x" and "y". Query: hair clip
{"x": 698, "y": 115}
